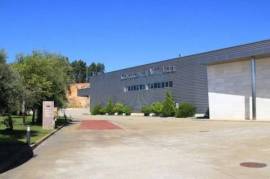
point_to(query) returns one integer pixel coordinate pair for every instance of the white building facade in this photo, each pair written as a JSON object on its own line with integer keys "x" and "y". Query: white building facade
{"x": 230, "y": 87}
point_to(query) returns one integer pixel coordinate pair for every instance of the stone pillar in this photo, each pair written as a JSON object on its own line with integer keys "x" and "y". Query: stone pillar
{"x": 48, "y": 115}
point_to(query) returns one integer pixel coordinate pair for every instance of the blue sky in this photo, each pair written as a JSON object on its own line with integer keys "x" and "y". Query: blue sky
{"x": 124, "y": 33}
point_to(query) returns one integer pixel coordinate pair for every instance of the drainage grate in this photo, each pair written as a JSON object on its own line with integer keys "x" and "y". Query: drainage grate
{"x": 253, "y": 165}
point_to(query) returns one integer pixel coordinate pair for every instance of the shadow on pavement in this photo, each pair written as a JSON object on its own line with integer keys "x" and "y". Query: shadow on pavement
{"x": 13, "y": 154}
{"x": 16, "y": 134}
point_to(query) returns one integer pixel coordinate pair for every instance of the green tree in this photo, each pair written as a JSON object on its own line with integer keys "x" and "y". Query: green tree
{"x": 3, "y": 56}
{"x": 60, "y": 78}
{"x": 95, "y": 68}
{"x": 10, "y": 90}
{"x": 45, "y": 76}
{"x": 100, "y": 68}
{"x": 79, "y": 68}
{"x": 169, "y": 107}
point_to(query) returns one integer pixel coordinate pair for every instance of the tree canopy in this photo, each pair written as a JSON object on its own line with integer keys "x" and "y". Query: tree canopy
{"x": 95, "y": 68}
{"x": 10, "y": 87}
{"x": 38, "y": 77}
{"x": 81, "y": 72}
{"x": 3, "y": 56}
{"x": 45, "y": 76}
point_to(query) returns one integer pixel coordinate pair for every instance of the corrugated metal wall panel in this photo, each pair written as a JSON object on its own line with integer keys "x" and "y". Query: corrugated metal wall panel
{"x": 190, "y": 79}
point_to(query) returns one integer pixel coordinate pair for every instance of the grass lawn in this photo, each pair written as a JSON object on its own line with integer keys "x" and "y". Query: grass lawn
{"x": 19, "y": 130}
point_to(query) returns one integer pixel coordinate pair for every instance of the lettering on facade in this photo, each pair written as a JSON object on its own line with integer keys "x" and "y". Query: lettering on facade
{"x": 149, "y": 72}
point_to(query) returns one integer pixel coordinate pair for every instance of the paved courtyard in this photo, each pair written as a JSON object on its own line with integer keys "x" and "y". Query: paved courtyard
{"x": 148, "y": 147}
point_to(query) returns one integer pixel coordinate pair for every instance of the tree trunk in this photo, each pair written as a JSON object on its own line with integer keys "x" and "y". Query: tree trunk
{"x": 23, "y": 111}
{"x": 34, "y": 116}
{"x": 39, "y": 115}
{"x": 24, "y": 118}
{"x": 10, "y": 123}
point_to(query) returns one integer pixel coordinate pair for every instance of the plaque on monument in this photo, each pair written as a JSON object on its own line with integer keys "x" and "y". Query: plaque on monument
{"x": 48, "y": 115}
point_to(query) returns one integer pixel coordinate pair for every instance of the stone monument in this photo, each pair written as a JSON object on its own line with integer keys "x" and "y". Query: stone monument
{"x": 48, "y": 115}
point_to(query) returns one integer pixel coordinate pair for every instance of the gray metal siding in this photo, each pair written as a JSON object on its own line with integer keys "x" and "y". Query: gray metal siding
{"x": 110, "y": 86}
{"x": 189, "y": 80}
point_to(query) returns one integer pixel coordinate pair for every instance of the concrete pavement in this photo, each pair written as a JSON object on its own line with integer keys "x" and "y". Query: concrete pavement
{"x": 152, "y": 148}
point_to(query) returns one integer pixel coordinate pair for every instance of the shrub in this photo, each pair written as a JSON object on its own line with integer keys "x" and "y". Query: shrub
{"x": 109, "y": 107}
{"x": 103, "y": 111}
{"x": 169, "y": 108}
{"x": 147, "y": 109}
{"x": 118, "y": 108}
{"x": 127, "y": 110}
{"x": 186, "y": 110}
{"x": 157, "y": 108}
{"x": 62, "y": 120}
{"x": 97, "y": 110}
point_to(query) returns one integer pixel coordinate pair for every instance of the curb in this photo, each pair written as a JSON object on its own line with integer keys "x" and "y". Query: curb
{"x": 40, "y": 141}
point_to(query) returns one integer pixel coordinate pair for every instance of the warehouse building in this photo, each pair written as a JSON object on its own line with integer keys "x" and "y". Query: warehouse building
{"x": 220, "y": 80}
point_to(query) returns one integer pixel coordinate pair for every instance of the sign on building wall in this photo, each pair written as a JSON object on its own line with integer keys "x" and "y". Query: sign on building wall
{"x": 48, "y": 115}
{"x": 149, "y": 72}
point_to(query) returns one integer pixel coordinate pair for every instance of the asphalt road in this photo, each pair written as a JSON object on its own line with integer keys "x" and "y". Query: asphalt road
{"x": 152, "y": 148}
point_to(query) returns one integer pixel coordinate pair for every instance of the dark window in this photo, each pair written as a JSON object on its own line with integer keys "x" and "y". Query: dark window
{"x": 162, "y": 85}
{"x": 170, "y": 84}
{"x": 140, "y": 87}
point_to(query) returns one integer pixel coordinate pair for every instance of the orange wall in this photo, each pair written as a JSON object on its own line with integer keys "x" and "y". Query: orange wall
{"x": 75, "y": 101}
